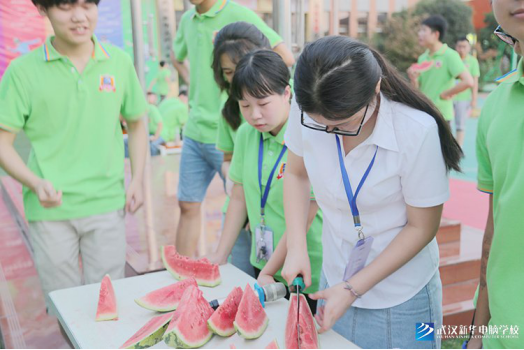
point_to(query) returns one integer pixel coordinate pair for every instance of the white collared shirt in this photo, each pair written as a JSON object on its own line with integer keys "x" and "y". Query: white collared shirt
{"x": 409, "y": 169}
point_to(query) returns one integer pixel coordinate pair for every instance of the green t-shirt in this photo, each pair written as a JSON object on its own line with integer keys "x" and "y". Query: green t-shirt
{"x": 161, "y": 85}
{"x": 500, "y": 154}
{"x": 244, "y": 171}
{"x": 174, "y": 114}
{"x": 472, "y": 65}
{"x": 154, "y": 117}
{"x": 194, "y": 40}
{"x": 226, "y": 135}
{"x": 72, "y": 121}
{"x": 446, "y": 67}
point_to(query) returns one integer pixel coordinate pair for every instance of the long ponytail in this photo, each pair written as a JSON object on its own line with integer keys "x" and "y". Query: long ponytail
{"x": 336, "y": 76}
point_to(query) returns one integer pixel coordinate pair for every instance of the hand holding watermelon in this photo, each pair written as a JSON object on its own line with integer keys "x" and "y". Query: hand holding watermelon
{"x": 337, "y": 301}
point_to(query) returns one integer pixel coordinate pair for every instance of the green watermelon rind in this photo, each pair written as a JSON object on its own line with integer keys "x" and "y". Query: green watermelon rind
{"x": 175, "y": 340}
{"x": 154, "y": 308}
{"x": 152, "y": 339}
{"x": 251, "y": 335}
{"x": 200, "y": 282}
{"x": 213, "y": 328}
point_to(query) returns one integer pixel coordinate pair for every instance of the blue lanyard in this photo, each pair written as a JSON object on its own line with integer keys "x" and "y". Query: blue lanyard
{"x": 347, "y": 185}
{"x": 268, "y": 185}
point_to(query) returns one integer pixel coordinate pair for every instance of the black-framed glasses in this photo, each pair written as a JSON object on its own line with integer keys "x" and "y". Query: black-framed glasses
{"x": 505, "y": 37}
{"x": 334, "y": 130}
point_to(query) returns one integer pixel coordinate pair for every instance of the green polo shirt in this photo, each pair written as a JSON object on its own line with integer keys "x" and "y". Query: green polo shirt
{"x": 174, "y": 114}
{"x": 161, "y": 85}
{"x": 154, "y": 117}
{"x": 194, "y": 40}
{"x": 500, "y": 154}
{"x": 244, "y": 171}
{"x": 72, "y": 121}
{"x": 226, "y": 135}
{"x": 472, "y": 65}
{"x": 446, "y": 67}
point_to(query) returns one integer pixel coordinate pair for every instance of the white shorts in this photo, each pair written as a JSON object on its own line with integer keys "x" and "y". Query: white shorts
{"x": 99, "y": 240}
{"x": 462, "y": 112}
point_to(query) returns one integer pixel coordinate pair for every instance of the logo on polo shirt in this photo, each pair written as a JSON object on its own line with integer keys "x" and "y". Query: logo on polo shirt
{"x": 107, "y": 83}
{"x": 425, "y": 331}
{"x": 438, "y": 64}
{"x": 281, "y": 171}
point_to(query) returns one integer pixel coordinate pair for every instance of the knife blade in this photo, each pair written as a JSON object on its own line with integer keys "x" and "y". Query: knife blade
{"x": 298, "y": 283}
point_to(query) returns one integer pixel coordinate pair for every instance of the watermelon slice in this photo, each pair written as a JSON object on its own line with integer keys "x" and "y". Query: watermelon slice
{"x": 422, "y": 67}
{"x": 221, "y": 322}
{"x": 205, "y": 273}
{"x": 167, "y": 298}
{"x": 308, "y": 330}
{"x": 273, "y": 345}
{"x": 107, "y": 309}
{"x": 150, "y": 334}
{"x": 188, "y": 327}
{"x": 251, "y": 319}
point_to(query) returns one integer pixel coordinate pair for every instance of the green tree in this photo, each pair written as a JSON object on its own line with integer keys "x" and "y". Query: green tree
{"x": 458, "y": 15}
{"x": 398, "y": 40}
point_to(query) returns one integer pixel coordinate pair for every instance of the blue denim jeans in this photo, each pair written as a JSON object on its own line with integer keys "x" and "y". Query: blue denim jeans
{"x": 393, "y": 327}
{"x": 199, "y": 164}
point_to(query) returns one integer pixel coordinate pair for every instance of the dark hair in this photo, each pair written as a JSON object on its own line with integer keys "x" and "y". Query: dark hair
{"x": 260, "y": 74}
{"x": 462, "y": 38}
{"x": 337, "y": 76}
{"x": 182, "y": 90}
{"x": 437, "y": 23}
{"x": 162, "y": 63}
{"x": 235, "y": 40}
{"x": 50, "y": 3}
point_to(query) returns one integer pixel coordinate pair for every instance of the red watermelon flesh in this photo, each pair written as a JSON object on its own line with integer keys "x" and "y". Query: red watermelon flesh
{"x": 422, "y": 67}
{"x": 188, "y": 327}
{"x": 167, "y": 298}
{"x": 273, "y": 345}
{"x": 308, "y": 330}
{"x": 251, "y": 319}
{"x": 107, "y": 309}
{"x": 221, "y": 322}
{"x": 182, "y": 267}
{"x": 150, "y": 334}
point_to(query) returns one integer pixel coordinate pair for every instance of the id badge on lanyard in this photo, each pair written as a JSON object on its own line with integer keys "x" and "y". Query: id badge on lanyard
{"x": 264, "y": 235}
{"x": 360, "y": 253}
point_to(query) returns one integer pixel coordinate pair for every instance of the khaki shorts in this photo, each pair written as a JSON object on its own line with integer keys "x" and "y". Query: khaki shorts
{"x": 99, "y": 240}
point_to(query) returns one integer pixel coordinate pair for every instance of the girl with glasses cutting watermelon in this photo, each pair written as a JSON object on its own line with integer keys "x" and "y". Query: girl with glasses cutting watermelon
{"x": 377, "y": 154}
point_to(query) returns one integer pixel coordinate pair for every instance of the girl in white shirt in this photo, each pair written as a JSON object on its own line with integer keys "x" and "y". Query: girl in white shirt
{"x": 376, "y": 153}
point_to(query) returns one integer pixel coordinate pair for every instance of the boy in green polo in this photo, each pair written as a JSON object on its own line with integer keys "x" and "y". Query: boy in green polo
{"x": 500, "y": 152}
{"x": 161, "y": 81}
{"x": 438, "y": 81}
{"x": 200, "y": 158}
{"x": 466, "y": 101}
{"x": 67, "y": 96}
{"x": 174, "y": 113}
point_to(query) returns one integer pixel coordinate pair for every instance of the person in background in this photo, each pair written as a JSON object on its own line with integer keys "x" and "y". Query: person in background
{"x": 156, "y": 125}
{"x": 232, "y": 43}
{"x": 438, "y": 82}
{"x": 67, "y": 96}
{"x": 161, "y": 82}
{"x": 174, "y": 112}
{"x": 465, "y": 102}
{"x": 200, "y": 158}
{"x": 500, "y": 151}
